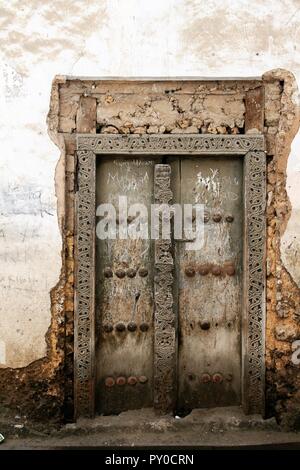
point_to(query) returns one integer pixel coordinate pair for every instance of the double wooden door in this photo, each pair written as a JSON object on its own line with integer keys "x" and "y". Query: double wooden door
{"x": 207, "y": 286}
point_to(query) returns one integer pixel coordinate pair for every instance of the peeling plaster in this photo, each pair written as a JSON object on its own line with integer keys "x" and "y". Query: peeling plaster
{"x": 290, "y": 243}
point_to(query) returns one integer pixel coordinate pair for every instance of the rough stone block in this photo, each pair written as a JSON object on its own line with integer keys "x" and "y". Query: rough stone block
{"x": 285, "y": 332}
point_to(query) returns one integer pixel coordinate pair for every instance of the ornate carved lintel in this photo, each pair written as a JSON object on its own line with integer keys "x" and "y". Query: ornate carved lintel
{"x": 170, "y": 144}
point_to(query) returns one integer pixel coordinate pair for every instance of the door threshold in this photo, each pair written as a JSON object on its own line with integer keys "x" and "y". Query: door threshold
{"x": 147, "y": 419}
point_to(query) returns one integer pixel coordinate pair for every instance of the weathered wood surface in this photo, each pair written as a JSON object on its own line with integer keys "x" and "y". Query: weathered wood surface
{"x": 124, "y": 293}
{"x": 210, "y": 286}
{"x": 86, "y": 115}
{"x": 254, "y": 113}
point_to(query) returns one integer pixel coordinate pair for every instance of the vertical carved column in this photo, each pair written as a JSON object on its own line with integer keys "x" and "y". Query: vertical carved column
{"x": 254, "y": 278}
{"x": 85, "y": 285}
{"x": 164, "y": 320}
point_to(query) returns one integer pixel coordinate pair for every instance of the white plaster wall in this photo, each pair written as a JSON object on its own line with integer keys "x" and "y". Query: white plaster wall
{"x": 40, "y": 39}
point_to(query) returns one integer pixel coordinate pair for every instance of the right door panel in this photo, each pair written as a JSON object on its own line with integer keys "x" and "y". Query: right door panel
{"x": 209, "y": 283}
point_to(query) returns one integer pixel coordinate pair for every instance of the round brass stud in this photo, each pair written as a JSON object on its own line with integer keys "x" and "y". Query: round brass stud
{"x": 108, "y": 272}
{"x": 205, "y": 325}
{"x": 144, "y": 327}
{"x": 229, "y": 269}
{"x": 120, "y": 327}
{"x": 131, "y": 272}
{"x": 120, "y": 273}
{"x": 216, "y": 270}
{"x": 217, "y": 217}
{"x": 121, "y": 381}
{"x": 189, "y": 271}
{"x": 229, "y": 218}
{"x": 205, "y": 378}
{"x": 143, "y": 379}
{"x": 108, "y": 328}
{"x": 132, "y": 326}
{"x": 217, "y": 378}
{"x": 143, "y": 272}
{"x": 109, "y": 382}
{"x": 203, "y": 269}
{"x": 132, "y": 380}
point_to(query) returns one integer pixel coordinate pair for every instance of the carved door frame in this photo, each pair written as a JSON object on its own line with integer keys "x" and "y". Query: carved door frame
{"x": 251, "y": 149}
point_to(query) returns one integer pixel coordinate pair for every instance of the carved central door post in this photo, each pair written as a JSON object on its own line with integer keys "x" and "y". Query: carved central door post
{"x": 164, "y": 317}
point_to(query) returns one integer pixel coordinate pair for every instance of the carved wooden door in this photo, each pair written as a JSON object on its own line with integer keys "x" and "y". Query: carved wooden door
{"x": 207, "y": 288}
{"x": 209, "y": 284}
{"x": 175, "y": 328}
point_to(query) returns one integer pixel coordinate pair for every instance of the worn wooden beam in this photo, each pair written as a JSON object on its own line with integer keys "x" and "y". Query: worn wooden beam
{"x": 70, "y": 143}
{"x": 254, "y": 114}
{"x": 86, "y": 115}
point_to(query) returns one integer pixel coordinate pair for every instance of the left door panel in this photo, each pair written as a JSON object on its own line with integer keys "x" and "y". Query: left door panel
{"x": 124, "y": 291}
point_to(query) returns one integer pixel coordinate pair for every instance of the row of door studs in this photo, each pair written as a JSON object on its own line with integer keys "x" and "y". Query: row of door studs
{"x": 207, "y": 268}
{"x": 121, "y": 327}
{"x": 216, "y": 378}
{"x": 121, "y": 273}
{"x": 132, "y": 380}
